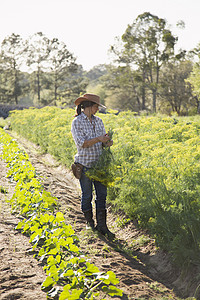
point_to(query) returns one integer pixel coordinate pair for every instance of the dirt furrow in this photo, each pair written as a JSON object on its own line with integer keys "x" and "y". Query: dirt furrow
{"x": 20, "y": 274}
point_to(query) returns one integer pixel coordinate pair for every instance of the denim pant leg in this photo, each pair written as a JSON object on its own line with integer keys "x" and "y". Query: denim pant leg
{"x": 101, "y": 194}
{"x": 86, "y": 187}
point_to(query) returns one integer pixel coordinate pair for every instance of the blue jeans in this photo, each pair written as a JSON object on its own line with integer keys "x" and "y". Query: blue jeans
{"x": 87, "y": 190}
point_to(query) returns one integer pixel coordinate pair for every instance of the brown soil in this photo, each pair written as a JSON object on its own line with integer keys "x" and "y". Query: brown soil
{"x": 144, "y": 272}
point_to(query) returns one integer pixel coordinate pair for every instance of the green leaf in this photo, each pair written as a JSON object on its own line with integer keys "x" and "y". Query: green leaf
{"x": 34, "y": 227}
{"x": 91, "y": 268}
{"x": 64, "y": 295}
{"x": 58, "y": 231}
{"x": 74, "y": 248}
{"x": 112, "y": 277}
{"x": 112, "y": 290}
{"x": 58, "y": 258}
{"x": 74, "y": 295}
{"x": 26, "y": 227}
{"x": 54, "y": 272}
{"x": 41, "y": 252}
{"x": 53, "y": 251}
{"x": 44, "y": 219}
{"x": 51, "y": 260}
{"x": 59, "y": 217}
{"x": 47, "y": 282}
{"x": 19, "y": 225}
{"x": 69, "y": 273}
{"x": 25, "y": 209}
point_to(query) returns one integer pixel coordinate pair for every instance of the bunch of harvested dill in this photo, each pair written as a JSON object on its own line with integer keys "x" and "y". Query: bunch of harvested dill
{"x": 102, "y": 170}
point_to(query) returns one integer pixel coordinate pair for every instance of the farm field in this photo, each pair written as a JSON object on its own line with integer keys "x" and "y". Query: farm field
{"x": 153, "y": 176}
{"x": 144, "y": 273}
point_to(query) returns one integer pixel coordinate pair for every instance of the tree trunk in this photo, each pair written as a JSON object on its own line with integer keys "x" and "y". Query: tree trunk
{"x": 198, "y": 107}
{"x": 143, "y": 98}
{"x": 143, "y": 93}
{"x": 38, "y": 84}
{"x": 16, "y": 99}
{"x": 15, "y": 84}
{"x": 154, "y": 101}
{"x": 55, "y": 87}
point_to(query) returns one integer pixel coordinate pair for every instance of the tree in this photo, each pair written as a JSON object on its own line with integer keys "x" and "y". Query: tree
{"x": 96, "y": 72}
{"x": 194, "y": 78}
{"x": 13, "y": 50}
{"x": 61, "y": 63}
{"x": 147, "y": 45}
{"x": 75, "y": 85}
{"x": 95, "y": 83}
{"x": 174, "y": 93}
{"x": 38, "y": 53}
{"x": 123, "y": 88}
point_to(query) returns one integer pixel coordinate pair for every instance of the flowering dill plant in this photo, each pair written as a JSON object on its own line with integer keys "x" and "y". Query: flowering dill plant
{"x": 103, "y": 169}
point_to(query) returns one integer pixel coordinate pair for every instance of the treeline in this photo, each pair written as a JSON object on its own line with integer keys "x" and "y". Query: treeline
{"x": 147, "y": 73}
{"x": 38, "y": 68}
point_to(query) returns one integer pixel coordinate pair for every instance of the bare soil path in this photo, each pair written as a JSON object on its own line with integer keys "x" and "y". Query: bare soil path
{"x": 143, "y": 271}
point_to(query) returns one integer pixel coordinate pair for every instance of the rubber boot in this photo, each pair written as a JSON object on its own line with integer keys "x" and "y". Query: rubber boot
{"x": 101, "y": 216}
{"x": 89, "y": 218}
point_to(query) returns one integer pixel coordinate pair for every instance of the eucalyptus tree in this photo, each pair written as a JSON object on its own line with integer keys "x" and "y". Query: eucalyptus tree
{"x": 147, "y": 45}
{"x": 96, "y": 72}
{"x": 175, "y": 94}
{"x": 37, "y": 60}
{"x": 122, "y": 86}
{"x": 3, "y": 89}
{"x": 61, "y": 66}
{"x": 194, "y": 78}
{"x": 13, "y": 51}
{"x": 74, "y": 85}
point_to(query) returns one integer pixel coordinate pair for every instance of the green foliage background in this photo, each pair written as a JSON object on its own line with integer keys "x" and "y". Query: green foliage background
{"x": 156, "y": 164}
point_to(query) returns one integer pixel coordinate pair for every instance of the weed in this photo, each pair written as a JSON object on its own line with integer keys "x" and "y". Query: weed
{"x": 3, "y": 190}
{"x": 140, "y": 241}
{"x": 122, "y": 222}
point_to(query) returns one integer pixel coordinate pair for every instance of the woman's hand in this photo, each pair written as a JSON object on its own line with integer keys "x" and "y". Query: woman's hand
{"x": 104, "y": 138}
{"x": 109, "y": 143}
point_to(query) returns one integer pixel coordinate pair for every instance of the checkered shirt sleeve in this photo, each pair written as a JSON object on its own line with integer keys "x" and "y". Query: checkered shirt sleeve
{"x": 82, "y": 129}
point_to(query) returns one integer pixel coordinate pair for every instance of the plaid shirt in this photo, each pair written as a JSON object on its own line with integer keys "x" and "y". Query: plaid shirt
{"x": 82, "y": 129}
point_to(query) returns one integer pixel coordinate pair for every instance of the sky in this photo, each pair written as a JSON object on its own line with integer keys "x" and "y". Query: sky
{"x": 89, "y": 27}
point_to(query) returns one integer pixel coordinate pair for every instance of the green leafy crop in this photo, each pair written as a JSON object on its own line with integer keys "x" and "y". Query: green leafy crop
{"x": 70, "y": 275}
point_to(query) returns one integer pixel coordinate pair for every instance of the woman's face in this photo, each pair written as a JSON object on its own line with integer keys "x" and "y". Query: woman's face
{"x": 94, "y": 109}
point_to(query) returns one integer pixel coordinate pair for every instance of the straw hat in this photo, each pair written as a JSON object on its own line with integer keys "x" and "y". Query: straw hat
{"x": 89, "y": 97}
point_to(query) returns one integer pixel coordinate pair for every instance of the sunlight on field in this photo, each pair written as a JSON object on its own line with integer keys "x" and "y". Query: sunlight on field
{"x": 156, "y": 166}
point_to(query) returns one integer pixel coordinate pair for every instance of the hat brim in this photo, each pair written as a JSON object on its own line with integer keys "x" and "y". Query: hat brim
{"x": 81, "y": 99}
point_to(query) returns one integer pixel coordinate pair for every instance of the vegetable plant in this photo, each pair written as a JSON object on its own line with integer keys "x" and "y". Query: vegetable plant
{"x": 69, "y": 273}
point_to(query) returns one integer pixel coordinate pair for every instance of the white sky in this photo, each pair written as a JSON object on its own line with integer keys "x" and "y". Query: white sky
{"x": 88, "y": 27}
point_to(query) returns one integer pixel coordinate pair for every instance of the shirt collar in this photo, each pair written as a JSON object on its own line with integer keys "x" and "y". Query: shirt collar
{"x": 83, "y": 115}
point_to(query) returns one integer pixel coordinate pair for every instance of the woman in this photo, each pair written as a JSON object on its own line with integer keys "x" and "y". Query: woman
{"x": 90, "y": 136}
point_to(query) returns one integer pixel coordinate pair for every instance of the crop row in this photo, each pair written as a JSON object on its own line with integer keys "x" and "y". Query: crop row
{"x": 156, "y": 167}
{"x": 70, "y": 275}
